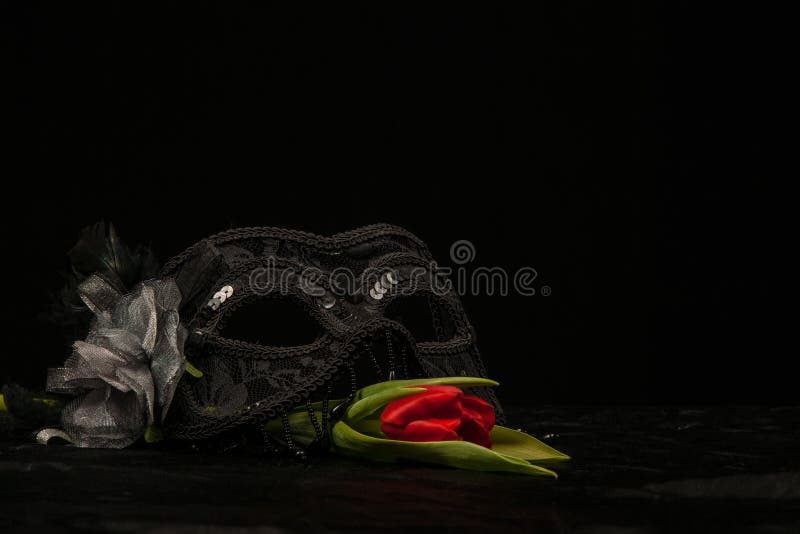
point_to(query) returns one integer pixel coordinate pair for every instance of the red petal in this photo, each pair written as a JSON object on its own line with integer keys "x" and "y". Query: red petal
{"x": 479, "y": 410}
{"x": 473, "y": 431}
{"x": 425, "y": 430}
{"x": 438, "y": 403}
{"x": 392, "y": 431}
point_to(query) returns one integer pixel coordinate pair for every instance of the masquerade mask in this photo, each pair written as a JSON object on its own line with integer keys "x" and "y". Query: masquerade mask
{"x": 367, "y": 306}
{"x": 272, "y": 319}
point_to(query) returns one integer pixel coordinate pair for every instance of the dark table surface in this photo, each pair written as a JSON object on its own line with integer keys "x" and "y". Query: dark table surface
{"x": 634, "y": 470}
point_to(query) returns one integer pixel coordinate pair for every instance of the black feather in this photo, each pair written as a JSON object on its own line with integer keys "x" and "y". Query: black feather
{"x": 99, "y": 250}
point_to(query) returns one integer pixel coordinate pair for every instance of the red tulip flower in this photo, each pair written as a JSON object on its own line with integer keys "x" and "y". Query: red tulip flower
{"x": 440, "y": 413}
{"x": 428, "y": 420}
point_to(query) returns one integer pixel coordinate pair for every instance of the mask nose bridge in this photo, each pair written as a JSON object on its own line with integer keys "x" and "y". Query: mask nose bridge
{"x": 384, "y": 324}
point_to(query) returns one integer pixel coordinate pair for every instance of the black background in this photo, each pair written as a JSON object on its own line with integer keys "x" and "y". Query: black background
{"x": 617, "y": 150}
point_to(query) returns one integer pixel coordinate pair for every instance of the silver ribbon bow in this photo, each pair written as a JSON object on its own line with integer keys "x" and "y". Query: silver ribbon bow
{"x": 127, "y": 370}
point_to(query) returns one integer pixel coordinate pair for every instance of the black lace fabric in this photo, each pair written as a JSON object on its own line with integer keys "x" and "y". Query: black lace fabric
{"x": 378, "y": 306}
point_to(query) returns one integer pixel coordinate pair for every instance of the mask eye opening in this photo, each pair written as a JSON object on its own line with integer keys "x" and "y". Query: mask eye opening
{"x": 272, "y": 320}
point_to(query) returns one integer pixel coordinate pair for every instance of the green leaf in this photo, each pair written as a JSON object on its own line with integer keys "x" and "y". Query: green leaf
{"x": 459, "y": 381}
{"x": 192, "y": 370}
{"x": 461, "y": 454}
{"x": 371, "y": 426}
{"x": 302, "y": 428}
{"x": 522, "y": 445}
{"x": 153, "y": 434}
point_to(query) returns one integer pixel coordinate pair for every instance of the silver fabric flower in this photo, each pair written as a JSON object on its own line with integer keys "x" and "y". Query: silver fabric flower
{"x": 127, "y": 370}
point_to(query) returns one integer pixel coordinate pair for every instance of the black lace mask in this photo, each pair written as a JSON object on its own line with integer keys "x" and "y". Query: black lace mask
{"x": 364, "y": 306}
